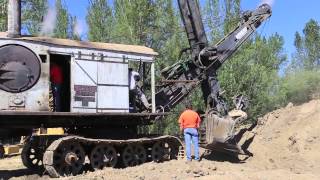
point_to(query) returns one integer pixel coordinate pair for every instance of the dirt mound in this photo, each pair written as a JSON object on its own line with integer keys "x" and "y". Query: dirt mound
{"x": 289, "y": 138}
{"x": 285, "y": 145}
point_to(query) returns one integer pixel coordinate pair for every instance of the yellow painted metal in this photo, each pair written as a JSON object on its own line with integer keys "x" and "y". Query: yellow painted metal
{"x": 55, "y": 131}
{"x": 12, "y": 149}
{"x": 49, "y": 131}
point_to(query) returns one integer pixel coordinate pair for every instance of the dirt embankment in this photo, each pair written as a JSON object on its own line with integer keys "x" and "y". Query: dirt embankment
{"x": 285, "y": 145}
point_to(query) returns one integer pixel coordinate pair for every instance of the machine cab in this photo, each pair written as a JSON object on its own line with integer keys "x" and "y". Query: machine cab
{"x": 95, "y": 75}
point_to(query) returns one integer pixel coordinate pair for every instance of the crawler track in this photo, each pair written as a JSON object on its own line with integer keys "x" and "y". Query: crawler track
{"x": 66, "y": 156}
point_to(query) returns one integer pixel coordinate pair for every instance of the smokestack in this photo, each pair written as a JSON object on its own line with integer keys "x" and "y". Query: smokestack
{"x": 14, "y": 18}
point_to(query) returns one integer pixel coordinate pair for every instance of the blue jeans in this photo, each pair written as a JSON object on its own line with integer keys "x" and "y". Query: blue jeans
{"x": 191, "y": 134}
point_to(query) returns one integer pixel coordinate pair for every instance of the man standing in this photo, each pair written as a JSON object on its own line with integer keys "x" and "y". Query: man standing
{"x": 56, "y": 78}
{"x": 189, "y": 123}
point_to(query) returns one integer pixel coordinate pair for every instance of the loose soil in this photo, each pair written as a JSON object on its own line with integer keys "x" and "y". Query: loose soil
{"x": 285, "y": 145}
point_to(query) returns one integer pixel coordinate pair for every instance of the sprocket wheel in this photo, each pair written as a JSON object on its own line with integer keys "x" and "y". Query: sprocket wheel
{"x": 103, "y": 155}
{"x": 133, "y": 155}
{"x": 67, "y": 159}
{"x": 32, "y": 155}
{"x": 160, "y": 151}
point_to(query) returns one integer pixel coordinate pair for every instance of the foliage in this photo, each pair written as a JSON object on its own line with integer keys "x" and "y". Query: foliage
{"x": 307, "y": 54}
{"x": 231, "y": 14}
{"x": 253, "y": 71}
{"x": 3, "y": 15}
{"x": 100, "y": 21}
{"x": 301, "y": 86}
{"x": 302, "y": 78}
{"x": 62, "y": 21}
{"x": 134, "y": 21}
{"x": 33, "y": 12}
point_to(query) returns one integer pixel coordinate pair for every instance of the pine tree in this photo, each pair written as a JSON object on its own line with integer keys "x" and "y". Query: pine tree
{"x": 213, "y": 20}
{"x": 232, "y": 14}
{"x": 62, "y": 22}
{"x": 100, "y": 21}
{"x": 302, "y": 79}
{"x": 33, "y": 12}
{"x": 307, "y": 55}
{"x": 3, "y": 15}
{"x": 168, "y": 36}
{"x": 134, "y": 21}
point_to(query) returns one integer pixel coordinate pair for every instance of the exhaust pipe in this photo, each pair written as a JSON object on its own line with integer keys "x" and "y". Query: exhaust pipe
{"x": 14, "y": 18}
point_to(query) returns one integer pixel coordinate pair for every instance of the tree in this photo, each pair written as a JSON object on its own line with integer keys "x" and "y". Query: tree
{"x": 253, "y": 71}
{"x": 33, "y": 12}
{"x": 301, "y": 81}
{"x": 3, "y": 15}
{"x": 214, "y": 21}
{"x": 168, "y": 36}
{"x": 134, "y": 21}
{"x": 307, "y": 55}
{"x": 231, "y": 14}
{"x": 100, "y": 21}
{"x": 62, "y": 22}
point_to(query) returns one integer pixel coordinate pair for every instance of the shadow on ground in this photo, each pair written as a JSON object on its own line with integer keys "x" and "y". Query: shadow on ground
{"x": 232, "y": 146}
{"x": 7, "y": 174}
{"x": 222, "y": 157}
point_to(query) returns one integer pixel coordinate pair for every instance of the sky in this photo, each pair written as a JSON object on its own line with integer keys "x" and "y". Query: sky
{"x": 288, "y": 17}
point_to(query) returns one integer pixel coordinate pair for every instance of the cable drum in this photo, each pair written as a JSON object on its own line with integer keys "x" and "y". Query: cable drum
{"x": 19, "y": 68}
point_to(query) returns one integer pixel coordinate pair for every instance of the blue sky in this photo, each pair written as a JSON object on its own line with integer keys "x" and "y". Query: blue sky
{"x": 288, "y": 16}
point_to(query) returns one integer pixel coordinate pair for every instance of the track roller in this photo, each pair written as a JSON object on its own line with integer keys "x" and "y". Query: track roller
{"x": 133, "y": 155}
{"x": 160, "y": 151}
{"x": 31, "y": 155}
{"x": 103, "y": 155}
{"x": 64, "y": 158}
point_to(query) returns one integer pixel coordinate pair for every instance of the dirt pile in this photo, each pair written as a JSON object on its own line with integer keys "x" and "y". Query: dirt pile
{"x": 289, "y": 138}
{"x": 285, "y": 145}
{"x": 175, "y": 169}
